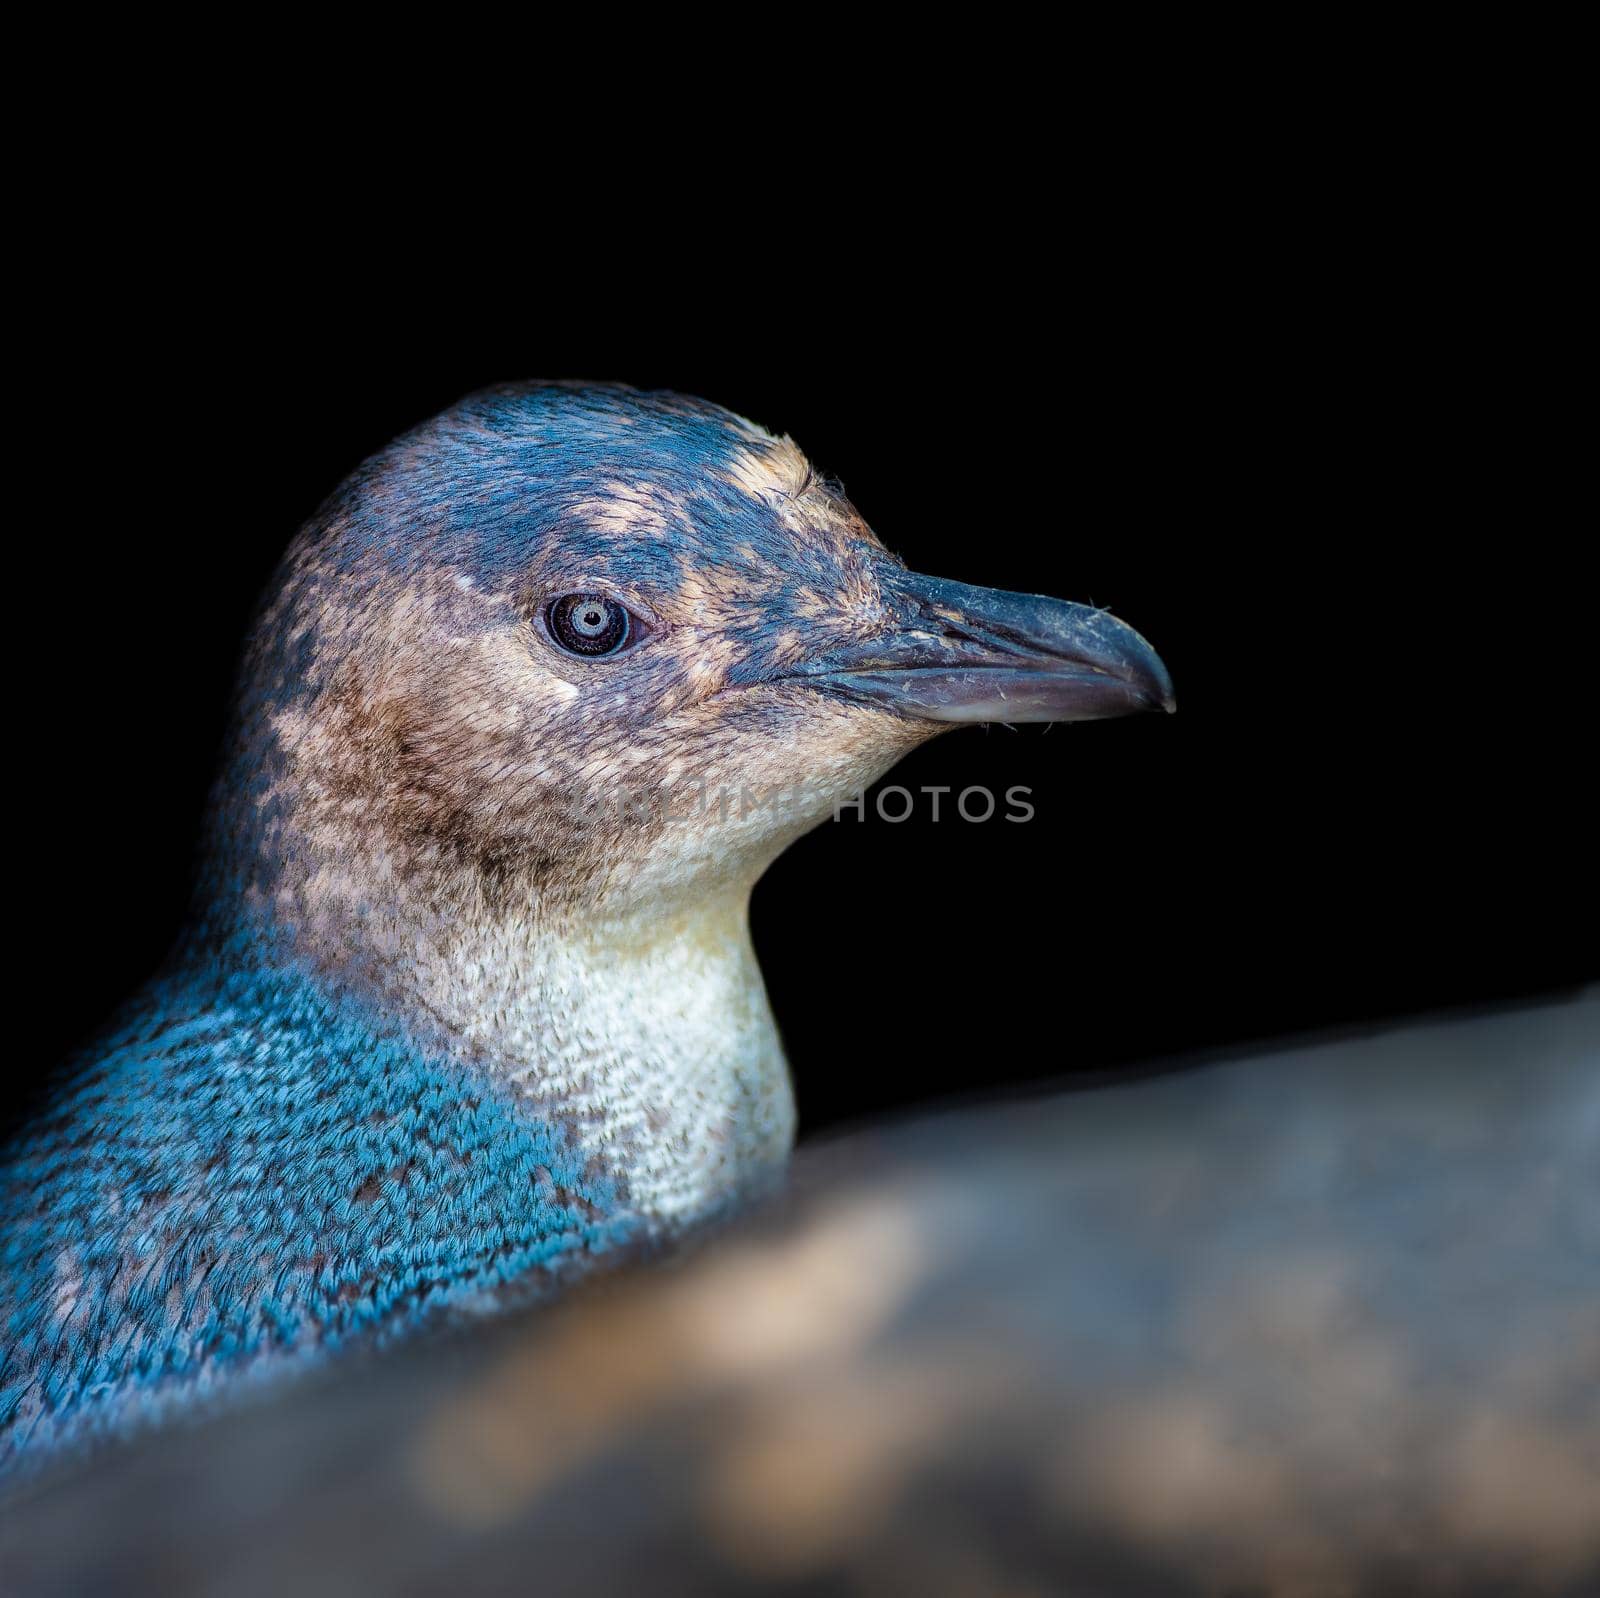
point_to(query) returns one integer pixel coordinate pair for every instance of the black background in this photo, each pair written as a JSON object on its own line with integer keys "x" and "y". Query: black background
{"x": 1272, "y": 423}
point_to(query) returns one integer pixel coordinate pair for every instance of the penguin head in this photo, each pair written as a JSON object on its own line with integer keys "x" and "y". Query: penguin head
{"x": 583, "y": 642}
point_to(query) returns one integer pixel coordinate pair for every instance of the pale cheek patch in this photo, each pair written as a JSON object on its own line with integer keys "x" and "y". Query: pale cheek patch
{"x": 714, "y": 657}
{"x": 704, "y": 676}
{"x": 509, "y": 682}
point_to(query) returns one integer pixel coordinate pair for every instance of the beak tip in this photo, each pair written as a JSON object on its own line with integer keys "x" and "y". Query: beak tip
{"x": 1159, "y": 692}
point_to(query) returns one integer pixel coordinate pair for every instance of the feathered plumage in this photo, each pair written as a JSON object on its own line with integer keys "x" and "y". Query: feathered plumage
{"x": 468, "y": 988}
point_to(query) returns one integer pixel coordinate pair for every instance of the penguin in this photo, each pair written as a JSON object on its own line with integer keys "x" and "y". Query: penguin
{"x": 467, "y": 999}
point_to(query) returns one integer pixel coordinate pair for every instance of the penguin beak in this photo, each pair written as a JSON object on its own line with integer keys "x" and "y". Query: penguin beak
{"x": 980, "y": 654}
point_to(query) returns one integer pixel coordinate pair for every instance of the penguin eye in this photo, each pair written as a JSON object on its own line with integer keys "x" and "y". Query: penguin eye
{"x": 589, "y": 624}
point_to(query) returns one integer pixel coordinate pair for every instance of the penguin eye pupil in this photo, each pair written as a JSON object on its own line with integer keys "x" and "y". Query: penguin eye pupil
{"x": 589, "y": 624}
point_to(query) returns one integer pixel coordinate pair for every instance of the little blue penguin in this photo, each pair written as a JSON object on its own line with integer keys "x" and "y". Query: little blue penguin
{"x": 467, "y": 995}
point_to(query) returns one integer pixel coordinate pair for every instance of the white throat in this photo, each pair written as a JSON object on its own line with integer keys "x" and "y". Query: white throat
{"x": 651, "y": 1037}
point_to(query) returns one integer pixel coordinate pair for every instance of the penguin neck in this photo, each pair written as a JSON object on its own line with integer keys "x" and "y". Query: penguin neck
{"x": 651, "y": 1036}
{"x": 645, "y": 1033}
